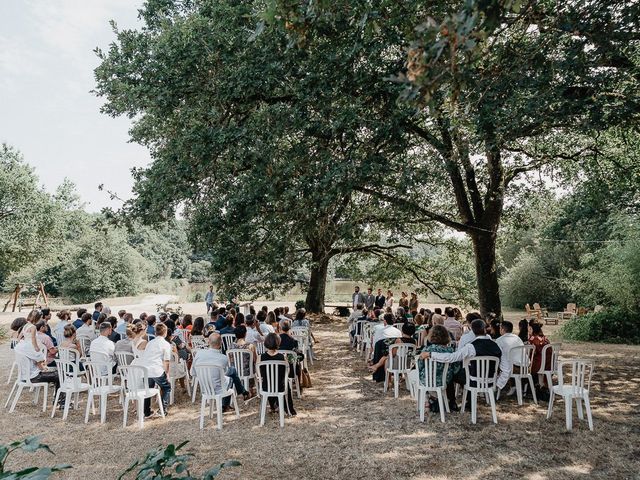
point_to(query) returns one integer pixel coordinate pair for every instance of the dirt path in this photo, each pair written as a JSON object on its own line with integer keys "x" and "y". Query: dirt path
{"x": 347, "y": 428}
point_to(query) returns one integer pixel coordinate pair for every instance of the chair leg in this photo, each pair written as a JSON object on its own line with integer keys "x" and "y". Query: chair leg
{"x": 55, "y": 403}
{"x": 203, "y": 406}
{"x": 140, "y": 413}
{"x": 494, "y": 413}
{"x": 386, "y": 381}
{"x": 89, "y": 403}
{"x": 67, "y": 402}
{"x": 533, "y": 390}
{"x": 396, "y": 384}
{"x": 125, "y": 411}
{"x": 281, "y": 409}
{"x": 10, "y": 395}
{"x": 518, "y": 381}
{"x": 103, "y": 408}
{"x": 263, "y": 410}
{"x": 549, "y": 378}
{"x": 195, "y": 389}
{"x": 421, "y": 401}
{"x": 13, "y": 366}
{"x": 15, "y": 398}
{"x": 568, "y": 406}
{"x": 219, "y": 412}
{"x": 160, "y": 405}
{"x": 172, "y": 382}
{"x": 474, "y": 406}
{"x": 579, "y": 408}
{"x": 464, "y": 400}
{"x": 441, "y": 405}
{"x": 550, "y": 409}
{"x": 235, "y": 405}
{"x": 587, "y": 406}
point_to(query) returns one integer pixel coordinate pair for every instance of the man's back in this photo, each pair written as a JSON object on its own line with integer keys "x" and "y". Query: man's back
{"x": 211, "y": 357}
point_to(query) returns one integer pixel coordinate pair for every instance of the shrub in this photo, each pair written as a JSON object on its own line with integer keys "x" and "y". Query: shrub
{"x": 299, "y": 304}
{"x": 614, "y": 325}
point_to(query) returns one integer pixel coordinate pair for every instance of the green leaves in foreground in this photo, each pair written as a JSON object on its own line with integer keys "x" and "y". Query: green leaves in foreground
{"x": 30, "y": 444}
{"x": 161, "y": 464}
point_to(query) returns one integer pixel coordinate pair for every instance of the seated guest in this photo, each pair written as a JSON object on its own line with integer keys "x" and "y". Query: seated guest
{"x": 140, "y": 336}
{"x": 221, "y": 321}
{"x": 16, "y": 327}
{"x": 86, "y": 330}
{"x": 451, "y": 324}
{"x": 269, "y": 325}
{"x": 178, "y": 345}
{"x": 151, "y": 324}
{"x": 64, "y": 317}
{"x": 494, "y": 328}
{"x": 382, "y": 350}
{"x": 96, "y": 312}
{"x": 439, "y": 342}
{"x": 187, "y": 322}
{"x": 44, "y": 339}
{"x": 481, "y": 346}
{"x": 198, "y": 326}
{"x": 229, "y": 328}
{"x": 28, "y": 346}
{"x": 356, "y": 314}
{"x": 254, "y": 335}
{"x": 272, "y": 345}
{"x": 214, "y": 356}
{"x": 508, "y": 340}
{"x": 386, "y": 331}
{"x": 301, "y": 321}
{"x": 78, "y": 321}
{"x": 468, "y": 336}
{"x": 157, "y": 357}
{"x": 115, "y": 336}
{"x": 523, "y": 330}
{"x": 127, "y": 319}
{"x": 126, "y": 344}
{"x": 213, "y": 320}
{"x": 102, "y": 346}
{"x": 538, "y": 340}
{"x": 287, "y": 342}
{"x": 238, "y": 319}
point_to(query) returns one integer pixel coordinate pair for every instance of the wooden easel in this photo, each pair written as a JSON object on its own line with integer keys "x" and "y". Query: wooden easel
{"x": 15, "y": 296}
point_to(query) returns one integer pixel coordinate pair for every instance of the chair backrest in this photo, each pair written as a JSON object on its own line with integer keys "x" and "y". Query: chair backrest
{"x": 67, "y": 374}
{"x": 59, "y": 336}
{"x": 527, "y": 308}
{"x": 523, "y": 357}
{"x": 101, "y": 357}
{"x": 85, "y": 344}
{"x": 481, "y": 372}
{"x": 186, "y": 336}
{"x": 301, "y": 331}
{"x": 227, "y": 340}
{"x": 272, "y": 373}
{"x": 24, "y": 368}
{"x": 290, "y": 356}
{"x": 69, "y": 355}
{"x": 400, "y": 357}
{"x": 571, "y": 307}
{"x": 399, "y": 325}
{"x": 303, "y": 341}
{"x": 260, "y": 348}
{"x": 431, "y": 379}
{"x": 100, "y": 373}
{"x": 552, "y": 364}
{"x": 124, "y": 358}
{"x": 536, "y": 306}
{"x": 198, "y": 342}
{"x": 241, "y": 358}
{"x": 210, "y": 378}
{"x": 358, "y": 326}
{"x": 580, "y": 372}
{"x": 136, "y": 378}
{"x": 453, "y": 344}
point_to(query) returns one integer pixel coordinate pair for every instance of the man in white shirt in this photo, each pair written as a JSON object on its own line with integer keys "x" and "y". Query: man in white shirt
{"x": 387, "y": 330}
{"x": 86, "y": 330}
{"x": 483, "y": 345}
{"x": 468, "y": 336}
{"x": 102, "y": 349}
{"x": 507, "y": 340}
{"x": 156, "y": 357}
{"x": 214, "y": 356}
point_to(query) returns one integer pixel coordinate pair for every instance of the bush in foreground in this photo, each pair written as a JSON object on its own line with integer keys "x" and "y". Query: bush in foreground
{"x": 614, "y": 325}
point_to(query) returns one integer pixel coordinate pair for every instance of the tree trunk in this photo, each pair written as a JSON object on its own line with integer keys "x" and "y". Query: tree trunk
{"x": 484, "y": 247}
{"x": 317, "y": 284}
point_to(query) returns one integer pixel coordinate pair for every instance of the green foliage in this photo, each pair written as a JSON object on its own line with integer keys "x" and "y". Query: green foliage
{"x": 30, "y": 444}
{"x": 614, "y": 325}
{"x": 299, "y": 304}
{"x": 167, "y": 463}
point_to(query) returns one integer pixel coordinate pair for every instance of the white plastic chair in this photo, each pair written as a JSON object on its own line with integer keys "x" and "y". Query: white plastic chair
{"x": 177, "y": 370}
{"x": 124, "y": 358}
{"x": 302, "y": 335}
{"x": 270, "y": 371}
{"x": 137, "y": 389}
{"x": 59, "y": 336}
{"x": 85, "y": 345}
{"x": 70, "y": 384}
{"x": 367, "y": 335}
{"x": 580, "y": 372}
{"x": 227, "y": 340}
{"x": 399, "y": 362}
{"x": 524, "y": 356}
{"x": 208, "y": 375}
{"x": 244, "y": 368}
{"x": 14, "y": 364}
{"x": 357, "y": 337}
{"x": 260, "y": 348}
{"x": 101, "y": 377}
{"x": 431, "y": 385}
{"x": 198, "y": 342}
{"x": 549, "y": 369}
{"x": 485, "y": 378}
{"x": 293, "y": 381}
{"x": 24, "y": 381}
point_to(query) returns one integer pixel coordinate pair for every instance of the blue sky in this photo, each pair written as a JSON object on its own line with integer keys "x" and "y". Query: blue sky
{"x": 46, "y": 108}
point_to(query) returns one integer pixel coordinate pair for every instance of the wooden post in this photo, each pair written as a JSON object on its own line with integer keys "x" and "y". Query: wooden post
{"x": 44, "y": 294}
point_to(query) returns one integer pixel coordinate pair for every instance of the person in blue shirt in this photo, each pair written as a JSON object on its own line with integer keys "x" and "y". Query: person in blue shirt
{"x": 78, "y": 321}
{"x": 96, "y": 312}
{"x": 221, "y": 322}
{"x": 208, "y": 298}
{"x": 151, "y": 322}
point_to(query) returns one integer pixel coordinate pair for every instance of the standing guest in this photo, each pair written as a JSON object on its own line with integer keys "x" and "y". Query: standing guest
{"x": 214, "y": 356}
{"x": 357, "y": 297}
{"x": 254, "y": 335}
{"x": 78, "y": 321}
{"x": 65, "y": 319}
{"x": 452, "y": 325}
{"x": 208, "y": 299}
{"x": 125, "y": 345}
{"x": 102, "y": 345}
{"x": 380, "y": 301}
{"x": 97, "y": 310}
{"x": 369, "y": 299}
{"x": 389, "y": 300}
{"x": 86, "y": 330}
{"x": 404, "y": 301}
{"x": 272, "y": 344}
{"x": 151, "y": 324}
{"x": 413, "y": 303}
{"x": 523, "y": 330}
{"x": 44, "y": 339}
{"x": 157, "y": 357}
{"x": 114, "y": 336}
